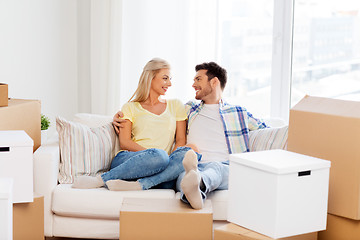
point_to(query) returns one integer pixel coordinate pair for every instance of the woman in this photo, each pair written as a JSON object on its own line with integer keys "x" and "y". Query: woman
{"x": 147, "y": 137}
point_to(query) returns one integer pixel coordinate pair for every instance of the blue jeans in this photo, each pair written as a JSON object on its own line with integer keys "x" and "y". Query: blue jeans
{"x": 149, "y": 167}
{"x": 215, "y": 176}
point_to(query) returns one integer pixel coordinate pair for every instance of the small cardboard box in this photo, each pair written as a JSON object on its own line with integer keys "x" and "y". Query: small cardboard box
{"x": 16, "y": 161}
{"x": 3, "y": 95}
{"x": 28, "y": 220}
{"x": 23, "y": 115}
{"x": 339, "y": 228}
{"x": 278, "y": 193}
{"x": 330, "y": 129}
{"x": 157, "y": 219}
{"x": 231, "y": 231}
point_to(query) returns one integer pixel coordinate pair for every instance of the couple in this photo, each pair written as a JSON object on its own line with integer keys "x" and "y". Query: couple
{"x": 150, "y": 126}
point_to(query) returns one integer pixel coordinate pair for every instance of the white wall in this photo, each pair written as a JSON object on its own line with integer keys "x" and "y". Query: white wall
{"x": 173, "y": 30}
{"x": 159, "y": 32}
{"x": 38, "y": 53}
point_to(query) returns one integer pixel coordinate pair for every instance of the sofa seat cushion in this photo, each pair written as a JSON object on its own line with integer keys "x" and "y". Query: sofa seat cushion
{"x": 97, "y": 203}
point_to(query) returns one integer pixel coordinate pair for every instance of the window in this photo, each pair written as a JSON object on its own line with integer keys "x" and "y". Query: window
{"x": 245, "y": 50}
{"x": 326, "y": 49}
{"x": 268, "y": 47}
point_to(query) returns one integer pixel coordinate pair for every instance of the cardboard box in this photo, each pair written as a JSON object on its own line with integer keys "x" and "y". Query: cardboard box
{"x": 339, "y": 228}
{"x": 28, "y": 220}
{"x": 16, "y": 161}
{"x": 23, "y": 115}
{"x": 234, "y": 232}
{"x": 157, "y": 219}
{"x": 278, "y": 193}
{"x": 3, "y": 95}
{"x": 330, "y": 129}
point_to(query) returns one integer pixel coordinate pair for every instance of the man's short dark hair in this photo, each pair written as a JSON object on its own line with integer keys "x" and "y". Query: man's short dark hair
{"x": 214, "y": 70}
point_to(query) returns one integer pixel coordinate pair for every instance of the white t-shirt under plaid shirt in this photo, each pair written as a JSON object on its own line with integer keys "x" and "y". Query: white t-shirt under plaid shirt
{"x": 237, "y": 123}
{"x": 207, "y": 133}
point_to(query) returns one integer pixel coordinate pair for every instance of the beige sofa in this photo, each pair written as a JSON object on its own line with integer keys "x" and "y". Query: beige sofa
{"x": 94, "y": 213}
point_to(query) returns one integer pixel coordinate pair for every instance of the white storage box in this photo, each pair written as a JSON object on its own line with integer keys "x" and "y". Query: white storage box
{"x": 278, "y": 193}
{"x": 6, "y": 208}
{"x": 16, "y": 161}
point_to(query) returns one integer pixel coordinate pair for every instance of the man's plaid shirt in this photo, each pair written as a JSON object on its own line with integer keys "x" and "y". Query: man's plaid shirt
{"x": 236, "y": 120}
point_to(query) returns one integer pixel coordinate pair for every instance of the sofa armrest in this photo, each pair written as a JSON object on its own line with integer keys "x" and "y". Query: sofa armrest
{"x": 46, "y": 168}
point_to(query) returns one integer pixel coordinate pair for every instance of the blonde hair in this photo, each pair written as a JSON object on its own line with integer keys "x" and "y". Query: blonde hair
{"x": 150, "y": 70}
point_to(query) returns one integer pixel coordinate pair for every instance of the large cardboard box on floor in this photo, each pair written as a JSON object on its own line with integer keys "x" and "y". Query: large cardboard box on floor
{"x": 24, "y": 115}
{"x": 157, "y": 219}
{"x": 278, "y": 193}
{"x": 340, "y": 228}
{"x": 330, "y": 129}
{"x": 234, "y": 232}
{"x": 28, "y": 220}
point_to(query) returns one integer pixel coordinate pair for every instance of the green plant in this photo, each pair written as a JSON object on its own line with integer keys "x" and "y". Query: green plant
{"x": 45, "y": 122}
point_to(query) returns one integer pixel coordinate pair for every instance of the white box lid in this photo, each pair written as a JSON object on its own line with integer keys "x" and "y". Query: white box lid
{"x": 279, "y": 161}
{"x": 15, "y": 138}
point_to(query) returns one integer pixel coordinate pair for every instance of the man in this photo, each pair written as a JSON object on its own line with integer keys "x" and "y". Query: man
{"x": 217, "y": 129}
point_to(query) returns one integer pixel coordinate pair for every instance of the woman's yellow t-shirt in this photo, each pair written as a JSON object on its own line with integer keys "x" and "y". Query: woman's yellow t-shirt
{"x": 154, "y": 131}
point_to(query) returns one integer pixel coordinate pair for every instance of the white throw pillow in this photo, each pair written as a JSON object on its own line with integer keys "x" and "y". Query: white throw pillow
{"x": 96, "y": 120}
{"x": 268, "y": 138}
{"x": 92, "y": 120}
{"x": 84, "y": 150}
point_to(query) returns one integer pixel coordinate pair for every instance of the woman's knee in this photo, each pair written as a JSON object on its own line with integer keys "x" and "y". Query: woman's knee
{"x": 178, "y": 154}
{"x": 159, "y": 156}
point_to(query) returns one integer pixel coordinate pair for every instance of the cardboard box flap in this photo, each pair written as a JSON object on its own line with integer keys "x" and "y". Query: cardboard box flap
{"x": 152, "y": 205}
{"x": 15, "y": 138}
{"x": 328, "y": 106}
{"x": 279, "y": 161}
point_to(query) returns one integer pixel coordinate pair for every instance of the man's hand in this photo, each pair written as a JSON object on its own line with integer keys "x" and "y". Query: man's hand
{"x": 117, "y": 121}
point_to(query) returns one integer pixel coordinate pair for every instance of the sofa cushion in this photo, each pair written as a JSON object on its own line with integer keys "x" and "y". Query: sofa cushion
{"x": 73, "y": 228}
{"x": 84, "y": 150}
{"x": 97, "y": 203}
{"x": 268, "y": 138}
{"x": 92, "y": 120}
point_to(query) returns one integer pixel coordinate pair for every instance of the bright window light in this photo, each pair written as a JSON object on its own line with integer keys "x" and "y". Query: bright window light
{"x": 245, "y": 50}
{"x": 326, "y": 49}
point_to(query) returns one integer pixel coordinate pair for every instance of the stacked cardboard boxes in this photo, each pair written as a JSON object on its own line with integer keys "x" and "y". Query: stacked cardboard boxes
{"x": 330, "y": 129}
{"x": 28, "y": 211}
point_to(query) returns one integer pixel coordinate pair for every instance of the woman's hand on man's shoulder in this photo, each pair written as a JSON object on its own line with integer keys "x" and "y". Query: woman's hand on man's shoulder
{"x": 118, "y": 121}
